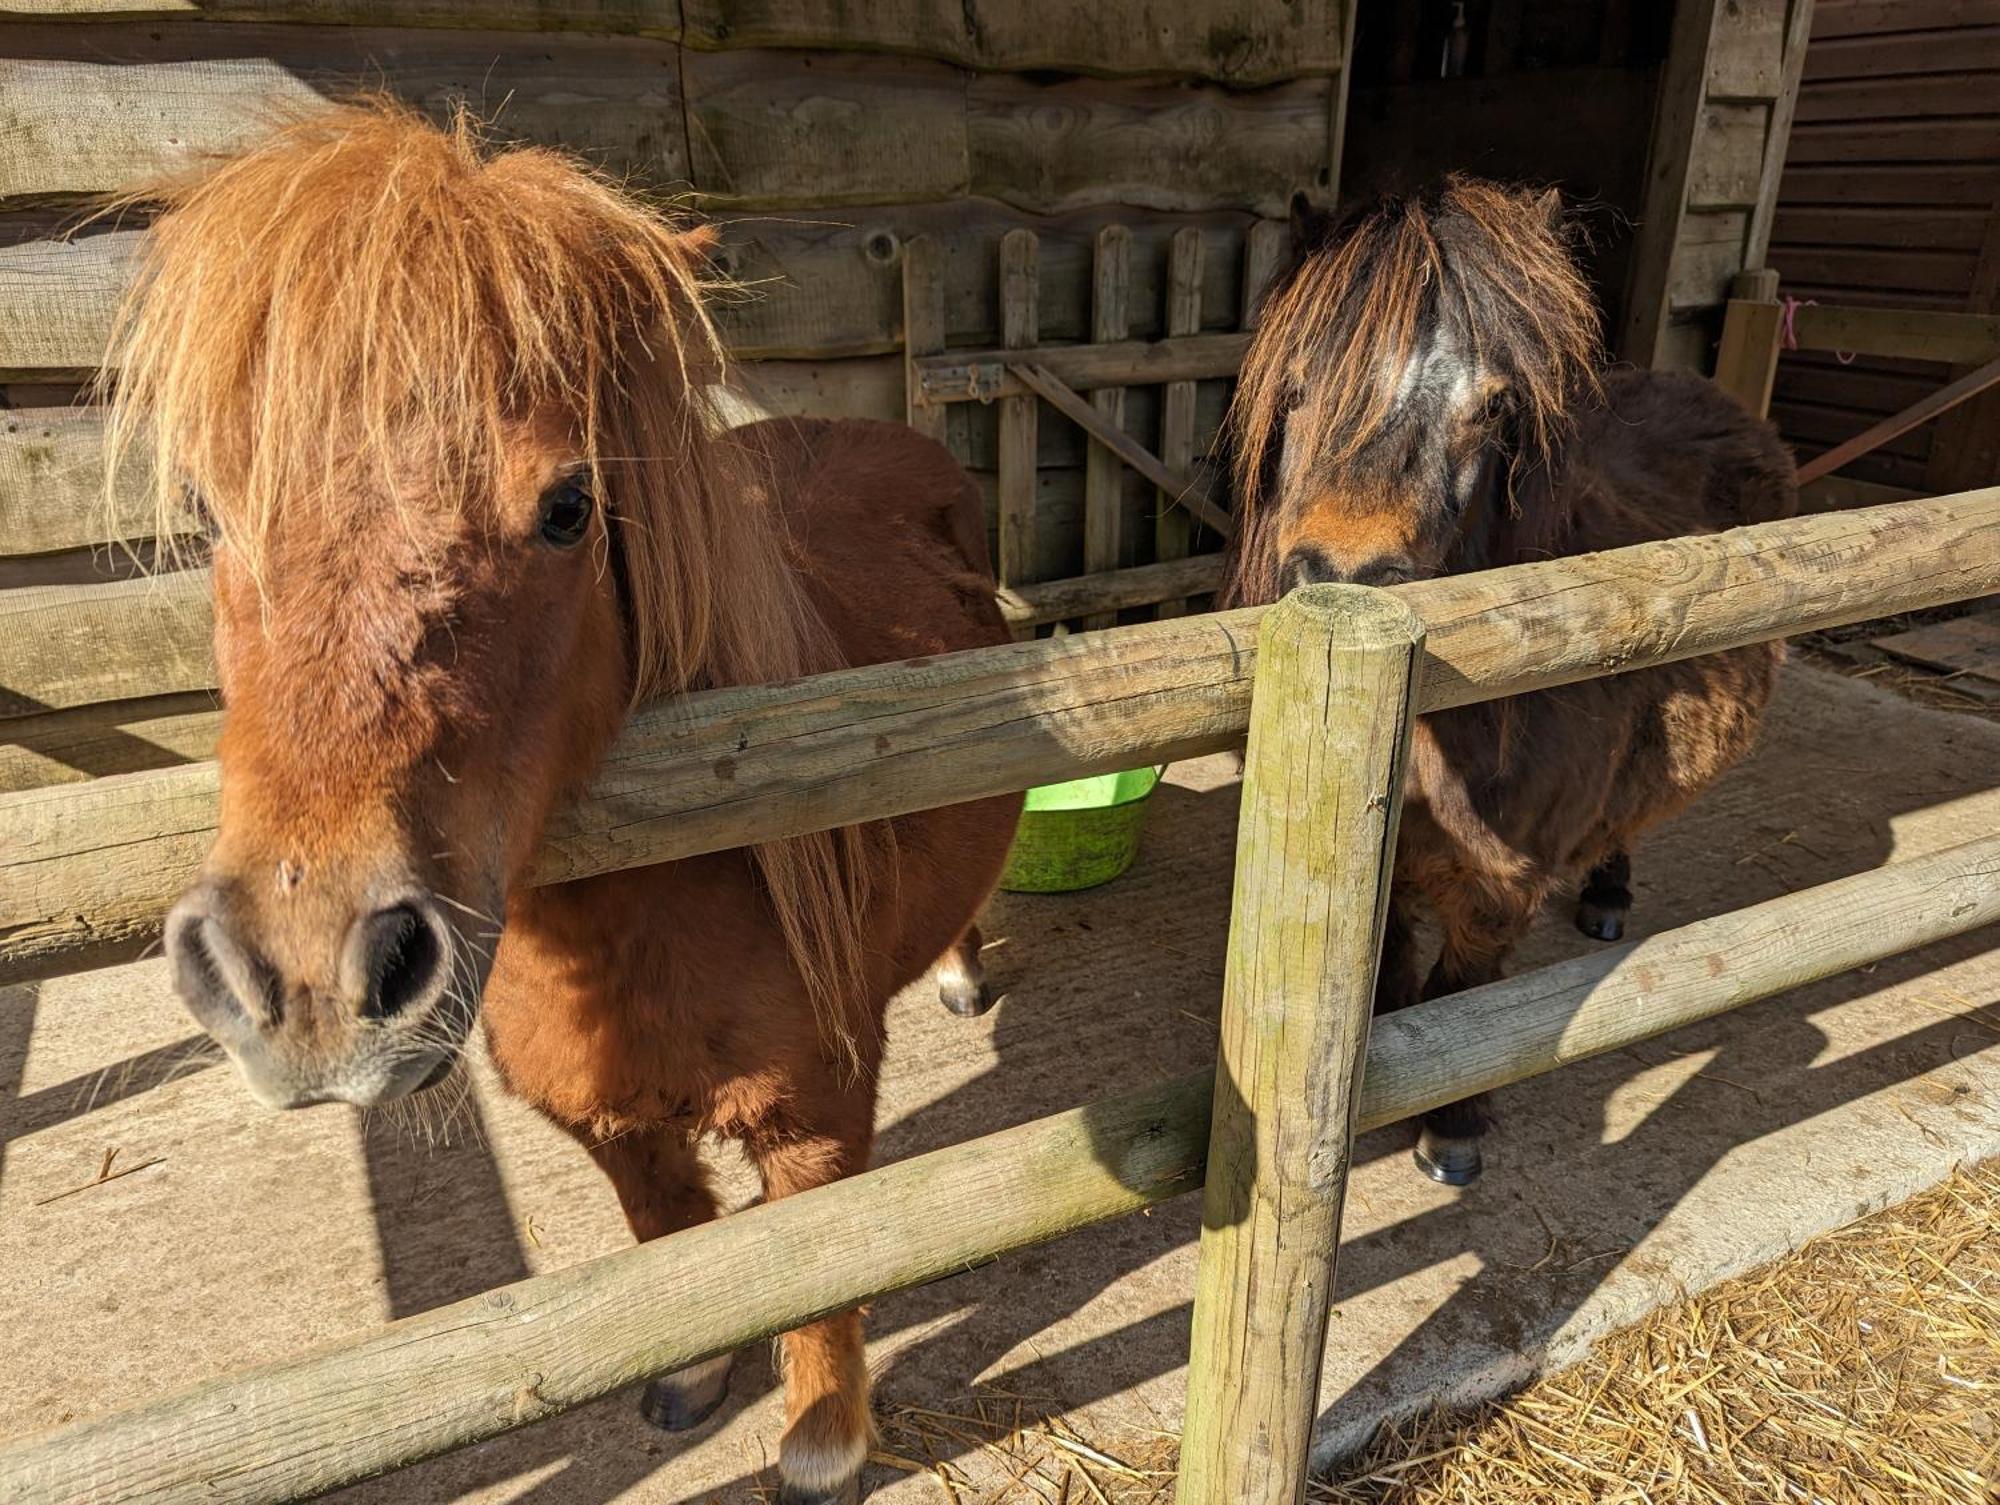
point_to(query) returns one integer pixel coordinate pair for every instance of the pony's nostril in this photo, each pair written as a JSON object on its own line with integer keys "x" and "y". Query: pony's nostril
{"x": 1382, "y": 572}
{"x": 403, "y": 960}
{"x": 1308, "y": 566}
{"x": 225, "y": 984}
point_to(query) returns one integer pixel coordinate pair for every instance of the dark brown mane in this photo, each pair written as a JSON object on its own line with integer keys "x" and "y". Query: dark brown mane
{"x": 1490, "y": 265}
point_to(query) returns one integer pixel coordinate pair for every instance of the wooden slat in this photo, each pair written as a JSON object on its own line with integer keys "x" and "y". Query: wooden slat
{"x": 653, "y": 18}
{"x": 1104, "y": 477}
{"x": 1172, "y": 533}
{"x": 77, "y": 645}
{"x": 1849, "y": 18}
{"x": 1746, "y": 51}
{"x": 52, "y": 484}
{"x": 97, "y": 741}
{"x": 1856, "y": 387}
{"x": 160, "y": 98}
{"x": 1882, "y": 226}
{"x": 1939, "y": 94}
{"x": 1142, "y": 585}
{"x": 1047, "y": 147}
{"x": 1971, "y": 185}
{"x": 1821, "y": 428}
{"x": 1235, "y": 41}
{"x": 1708, "y": 254}
{"x": 86, "y": 872}
{"x": 1728, "y": 160}
{"x": 777, "y": 128}
{"x": 975, "y": 431}
{"x": 1911, "y": 334}
{"x": 1777, "y": 142}
{"x": 923, "y": 329}
{"x": 1960, "y": 49}
{"x": 1020, "y": 292}
{"x": 1943, "y": 272}
{"x": 1972, "y": 141}
{"x": 981, "y": 375}
{"x": 816, "y": 285}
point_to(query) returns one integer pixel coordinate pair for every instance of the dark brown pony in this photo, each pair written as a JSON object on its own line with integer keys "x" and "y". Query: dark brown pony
{"x": 446, "y": 409}
{"x": 1423, "y": 397}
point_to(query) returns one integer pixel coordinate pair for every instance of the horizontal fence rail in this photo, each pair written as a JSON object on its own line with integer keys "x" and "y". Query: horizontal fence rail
{"x": 87, "y": 871}
{"x": 522, "y": 1352}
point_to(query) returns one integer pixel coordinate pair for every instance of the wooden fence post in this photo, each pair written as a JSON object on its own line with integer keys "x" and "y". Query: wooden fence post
{"x": 1746, "y": 365}
{"x": 1322, "y": 787}
{"x": 923, "y": 330}
{"x": 1172, "y": 529}
{"x": 1104, "y": 472}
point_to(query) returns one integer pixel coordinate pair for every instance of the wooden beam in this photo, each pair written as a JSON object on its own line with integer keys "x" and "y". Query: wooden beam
{"x": 1899, "y": 333}
{"x": 1142, "y": 585}
{"x": 982, "y": 375}
{"x": 1677, "y": 121}
{"x": 923, "y": 329}
{"x": 1315, "y": 850}
{"x": 1184, "y": 490}
{"x": 86, "y": 871}
{"x": 509, "y": 1357}
{"x": 1914, "y": 416}
{"x": 1798, "y": 33}
{"x": 1746, "y": 365}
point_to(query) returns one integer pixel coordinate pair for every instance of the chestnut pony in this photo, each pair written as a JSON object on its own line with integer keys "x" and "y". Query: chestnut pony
{"x": 446, "y": 410}
{"x": 1423, "y": 397}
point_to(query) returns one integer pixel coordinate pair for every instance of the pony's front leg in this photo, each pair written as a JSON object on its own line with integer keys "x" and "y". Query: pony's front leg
{"x": 827, "y": 1425}
{"x": 1606, "y": 898}
{"x": 663, "y": 1188}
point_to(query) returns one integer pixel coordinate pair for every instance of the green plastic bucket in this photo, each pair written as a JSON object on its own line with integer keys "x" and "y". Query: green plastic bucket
{"x": 1078, "y": 834}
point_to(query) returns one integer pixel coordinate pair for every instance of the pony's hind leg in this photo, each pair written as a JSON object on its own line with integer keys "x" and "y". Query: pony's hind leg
{"x": 961, "y": 977}
{"x": 1606, "y": 898}
{"x": 663, "y": 1189}
{"x": 827, "y": 1425}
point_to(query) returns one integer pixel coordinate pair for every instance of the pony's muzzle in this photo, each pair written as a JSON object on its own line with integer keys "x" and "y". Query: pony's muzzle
{"x": 391, "y": 1023}
{"x": 1308, "y": 564}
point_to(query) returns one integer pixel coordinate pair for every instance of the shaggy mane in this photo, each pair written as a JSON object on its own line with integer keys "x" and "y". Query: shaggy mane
{"x": 1487, "y": 262}
{"x": 365, "y": 289}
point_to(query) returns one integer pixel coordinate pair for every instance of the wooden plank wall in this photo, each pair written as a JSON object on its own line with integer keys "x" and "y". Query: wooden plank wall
{"x": 1720, "y": 124}
{"x": 1891, "y": 198}
{"x": 826, "y": 136}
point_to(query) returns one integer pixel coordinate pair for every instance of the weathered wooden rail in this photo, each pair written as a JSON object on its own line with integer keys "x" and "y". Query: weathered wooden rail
{"x": 86, "y": 871}
{"x": 83, "y": 867}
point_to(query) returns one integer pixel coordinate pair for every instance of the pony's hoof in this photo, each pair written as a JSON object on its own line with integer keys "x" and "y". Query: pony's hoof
{"x": 849, "y": 1493}
{"x": 967, "y": 997}
{"x": 1450, "y": 1161}
{"x": 683, "y": 1400}
{"x": 1599, "y": 923}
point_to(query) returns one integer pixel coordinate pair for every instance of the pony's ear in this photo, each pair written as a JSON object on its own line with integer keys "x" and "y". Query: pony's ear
{"x": 697, "y": 244}
{"x": 1549, "y": 203}
{"x": 1309, "y": 223}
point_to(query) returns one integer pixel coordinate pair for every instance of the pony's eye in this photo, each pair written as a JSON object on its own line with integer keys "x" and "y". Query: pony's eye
{"x": 566, "y": 512}
{"x": 1499, "y": 405}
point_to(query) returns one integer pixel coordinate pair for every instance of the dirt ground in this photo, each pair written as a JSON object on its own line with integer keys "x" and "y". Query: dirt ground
{"x": 235, "y": 1236}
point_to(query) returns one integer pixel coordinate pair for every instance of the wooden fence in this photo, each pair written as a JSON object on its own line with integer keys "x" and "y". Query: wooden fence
{"x": 86, "y": 871}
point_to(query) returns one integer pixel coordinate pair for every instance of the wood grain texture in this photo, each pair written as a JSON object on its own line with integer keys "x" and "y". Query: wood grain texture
{"x": 1746, "y": 52}
{"x": 1020, "y": 296}
{"x": 923, "y": 330}
{"x": 1746, "y": 366}
{"x": 1915, "y": 334}
{"x": 1188, "y": 491}
{"x": 1777, "y": 141}
{"x": 52, "y": 493}
{"x": 1234, "y": 41}
{"x": 1315, "y": 848}
{"x": 1727, "y": 164}
{"x": 87, "y": 872}
{"x": 654, "y": 18}
{"x": 815, "y": 284}
{"x": 1964, "y": 389}
{"x": 162, "y": 731}
{"x": 981, "y": 375}
{"x": 84, "y": 112}
{"x": 1173, "y": 533}
{"x": 1141, "y": 585}
{"x": 75, "y": 645}
{"x": 1104, "y": 477}
{"x": 525, "y": 1351}
{"x": 1047, "y": 147}
{"x": 780, "y": 128}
